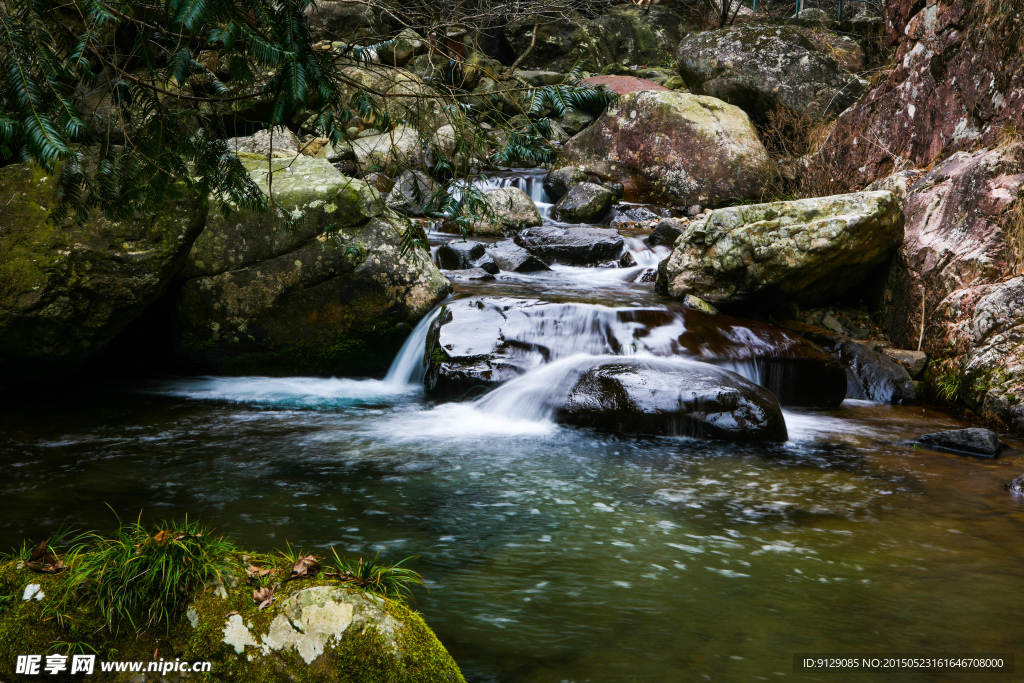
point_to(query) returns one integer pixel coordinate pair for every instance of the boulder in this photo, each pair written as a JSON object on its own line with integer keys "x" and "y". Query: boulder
{"x": 413, "y": 194}
{"x": 558, "y": 181}
{"x": 664, "y": 397}
{"x": 804, "y": 251}
{"x": 976, "y": 441}
{"x": 912, "y": 361}
{"x": 666, "y": 232}
{"x": 389, "y": 151}
{"x": 697, "y": 304}
{"x": 624, "y": 84}
{"x": 403, "y": 95}
{"x": 573, "y": 122}
{"x": 760, "y": 68}
{"x": 628, "y": 214}
{"x": 279, "y": 143}
{"x": 312, "y": 630}
{"x": 583, "y": 203}
{"x": 579, "y": 246}
{"x": 407, "y": 45}
{"x": 463, "y": 255}
{"x": 347, "y": 20}
{"x": 330, "y": 294}
{"x": 673, "y": 148}
{"x": 479, "y": 343}
{"x": 511, "y": 210}
{"x": 512, "y": 258}
{"x": 65, "y": 292}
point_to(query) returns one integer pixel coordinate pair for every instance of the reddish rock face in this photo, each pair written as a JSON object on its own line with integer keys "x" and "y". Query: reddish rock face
{"x": 957, "y": 84}
{"x": 624, "y": 84}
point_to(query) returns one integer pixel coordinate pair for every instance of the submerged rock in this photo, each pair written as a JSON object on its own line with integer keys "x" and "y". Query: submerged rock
{"x": 65, "y": 292}
{"x": 760, "y": 68}
{"x": 331, "y": 294}
{"x": 804, "y": 251}
{"x": 578, "y": 246}
{"x": 976, "y": 441}
{"x": 673, "y": 148}
{"x": 672, "y": 398}
{"x": 583, "y": 203}
{"x": 479, "y": 343}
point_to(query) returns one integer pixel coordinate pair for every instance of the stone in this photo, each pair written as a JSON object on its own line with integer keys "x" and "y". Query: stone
{"x": 672, "y": 148}
{"x": 1016, "y": 485}
{"x": 462, "y": 255}
{"x": 482, "y": 342}
{"x": 624, "y": 84}
{"x": 332, "y": 294}
{"x": 913, "y": 361}
{"x": 983, "y": 443}
{"x": 469, "y": 275}
{"x": 761, "y": 68}
{"x": 830, "y": 323}
{"x": 558, "y": 181}
{"x": 573, "y": 122}
{"x": 413, "y": 194}
{"x": 674, "y": 397}
{"x": 511, "y": 211}
{"x": 512, "y": 258}
{"x": 578, "y": 246}
{"x": 666, "y": 232}
{"x": 66, "y": 292}
{"x": 403, "y": 95}
{"x": 690, "y": 301}
{"x": 281, "y": 144}
{"x": 583, "y": 203}
{"x": 346, "y": 21}
{"x": 407, "y": 45}
{"x": 626, "y": 214}
{"x": 538, "y": 78}
{"x": 802, "y": 251}
{"x": 388, "y": 151}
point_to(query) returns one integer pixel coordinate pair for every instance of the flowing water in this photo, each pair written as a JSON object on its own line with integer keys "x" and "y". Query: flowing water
{"x": 554, "y": 553}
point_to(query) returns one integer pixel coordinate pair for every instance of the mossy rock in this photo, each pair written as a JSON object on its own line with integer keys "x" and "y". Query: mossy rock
{"x": 66, "y": 291}
{"x": 314, "y": 630}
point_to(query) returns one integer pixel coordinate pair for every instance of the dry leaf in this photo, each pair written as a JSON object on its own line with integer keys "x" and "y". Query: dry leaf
{"x": 43, "y": 560}
{"x": 255, "y": 572}
{"x": 162, "y": 537}
{"x": 306, "y": 567}
{"x": 230, "y": 614}
{"x": 263, "y": 596}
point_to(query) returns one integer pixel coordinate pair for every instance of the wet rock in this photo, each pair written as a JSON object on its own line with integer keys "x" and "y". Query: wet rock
{"x": 760, "y": 68}
{"x": 511, "y": 211}
{"x": 666, "y": 232}
{"x": 65, "y": 293}
{"x": 913, "y": 361}
{"x": 413, "y": 194}
{"x": 672, "y": 398}
{"x": 626, "y": 214}
{"x": 975, "y": 441}
{"x": 583, "y": 203}
{"x": 578, "y": 246}
{"x": 460, "y": 254}
{"x": 871, "y": 374}
{"x": 672, "y": 148}
{"x": 510, "y": 257}
{"x": 801, "y": 251}
{"x": 558, "y": 181}
{"x": 330, "y": 295}
{"x": 690, "y": 301}
{"x": 481, "y": 342}
{"x": 1016, "y": 485}
{"x": 469, "y": 275}
{"x": 627, "y": 260}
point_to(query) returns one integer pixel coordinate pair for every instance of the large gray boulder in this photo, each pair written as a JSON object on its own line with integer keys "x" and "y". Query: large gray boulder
{"x": 804, "y": 251}
{"x": 65, "y": 292}
{"x": 389, "y": 151}
{"x": 761, "y": 68}
{"x": 330, "y": 294}
{"x": 413, "y": 194}
{"x": 666, "y": 147}
{"x": 558, "y": 181}
{"x": 579, "y": 246}
{"x": 672, "y": 397}
{"x": 511, "y": 210}
{"x": 583, "y": 203}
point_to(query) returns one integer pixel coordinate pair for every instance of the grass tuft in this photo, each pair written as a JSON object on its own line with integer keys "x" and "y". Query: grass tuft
{"x": 392, "y": 581}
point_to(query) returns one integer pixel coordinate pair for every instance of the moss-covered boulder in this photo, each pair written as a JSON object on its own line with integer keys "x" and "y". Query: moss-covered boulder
{"x": 327, "y": 292}
{"x": 65, "y": 291}
{"x": 313, "y": 630}
{"x": 805, "y": 251}
{"x": 667, "y": 147}
{"x": 511, "y": 210}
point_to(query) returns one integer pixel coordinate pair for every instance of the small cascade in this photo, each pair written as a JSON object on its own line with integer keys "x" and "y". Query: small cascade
{"x": 409, "y": 366}
{"x": 531, "y": 182}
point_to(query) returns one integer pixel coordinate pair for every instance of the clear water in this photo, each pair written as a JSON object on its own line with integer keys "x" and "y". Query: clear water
{"x": 558, "y": 554}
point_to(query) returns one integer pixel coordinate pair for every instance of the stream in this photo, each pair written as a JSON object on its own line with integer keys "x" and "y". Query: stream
{"x": 552, "y": 553}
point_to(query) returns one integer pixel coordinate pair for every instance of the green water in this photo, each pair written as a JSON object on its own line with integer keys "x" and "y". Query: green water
{"x": 557, "y": 554}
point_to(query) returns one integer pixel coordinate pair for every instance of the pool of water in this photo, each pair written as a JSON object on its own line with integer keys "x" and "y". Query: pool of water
{"x": 558, "y": 554}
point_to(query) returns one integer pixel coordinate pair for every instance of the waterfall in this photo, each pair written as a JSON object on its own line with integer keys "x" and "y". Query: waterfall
{"x": 532, "y": 183}
{"x": 409, "y": 366}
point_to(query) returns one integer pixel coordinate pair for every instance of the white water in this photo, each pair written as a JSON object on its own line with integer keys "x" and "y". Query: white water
{"x": 409, "y": 366}
{"x": 530, "y": 183}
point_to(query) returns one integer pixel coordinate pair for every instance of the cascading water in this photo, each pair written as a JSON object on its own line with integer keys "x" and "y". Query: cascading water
{"x": 530, "y": 182}
{"x": 409, "y": 366}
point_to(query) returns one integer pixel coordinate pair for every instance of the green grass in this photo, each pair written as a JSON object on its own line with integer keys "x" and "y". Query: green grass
{"x": 947, "y": 386}
{"x": 392, "y": 581}
{"x": 141, "y": 577}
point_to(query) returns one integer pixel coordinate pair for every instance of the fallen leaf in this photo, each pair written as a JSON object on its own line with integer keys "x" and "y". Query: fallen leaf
{"x": 162, "y": 537}
{"x": 230, "y": 614}
{"x": 263, "y": 596}
{"x": 43, "y": 560}
{"x": 306, "y": 567}
{"x": 255, "y": 572}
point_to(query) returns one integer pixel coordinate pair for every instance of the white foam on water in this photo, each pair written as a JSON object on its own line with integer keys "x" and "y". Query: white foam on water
{"x": 283, "y": 391}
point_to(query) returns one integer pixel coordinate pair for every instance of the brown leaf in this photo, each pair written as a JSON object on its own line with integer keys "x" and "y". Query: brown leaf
{"x": 306, "y": 567}
{"x": 162, "y": 537}
{"x": 255, "y": 572}
{"x": 43, "y": 560}
{"x": 263, "y": 596}
{"x": 230, "y": 614}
